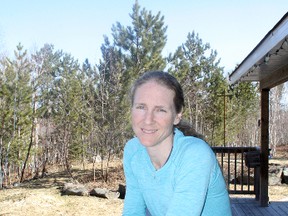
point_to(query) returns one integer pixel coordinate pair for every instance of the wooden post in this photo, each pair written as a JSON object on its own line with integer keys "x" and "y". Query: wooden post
{"x": 264, "y": 152}
{"x": 224, "y": 128}
{"x": 257, "y": 182}
{"x": 224, "y": 115}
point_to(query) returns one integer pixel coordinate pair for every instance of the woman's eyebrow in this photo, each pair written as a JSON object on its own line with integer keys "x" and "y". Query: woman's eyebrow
{"x": 159, "y": 106}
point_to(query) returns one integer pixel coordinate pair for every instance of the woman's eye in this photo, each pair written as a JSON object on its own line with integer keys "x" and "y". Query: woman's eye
{"x": 161, "y": 110}
{"x": 140, "y": 107}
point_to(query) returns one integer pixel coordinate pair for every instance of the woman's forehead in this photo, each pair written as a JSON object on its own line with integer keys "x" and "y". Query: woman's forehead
{"x": 153, "y": 91}
{"x": 153, "y": 87}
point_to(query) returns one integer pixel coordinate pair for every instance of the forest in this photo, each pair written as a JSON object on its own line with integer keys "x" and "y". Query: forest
{"x": 55, "y": 110}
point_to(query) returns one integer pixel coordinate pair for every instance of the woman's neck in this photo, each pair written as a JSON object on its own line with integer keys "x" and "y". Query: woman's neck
{"x": 159, "y": 155}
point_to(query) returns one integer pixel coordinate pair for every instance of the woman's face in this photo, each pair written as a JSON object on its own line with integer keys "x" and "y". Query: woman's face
{"x": 154, "y": 114}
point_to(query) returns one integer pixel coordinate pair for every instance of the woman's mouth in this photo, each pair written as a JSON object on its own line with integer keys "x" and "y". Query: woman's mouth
{"x": 148, "y": 131}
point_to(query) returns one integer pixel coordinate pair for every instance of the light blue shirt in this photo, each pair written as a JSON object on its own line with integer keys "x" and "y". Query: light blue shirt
{"x": 190, "y": 183}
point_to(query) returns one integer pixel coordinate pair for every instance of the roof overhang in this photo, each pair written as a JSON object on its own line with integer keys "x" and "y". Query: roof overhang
{"x": 268, "y": 61}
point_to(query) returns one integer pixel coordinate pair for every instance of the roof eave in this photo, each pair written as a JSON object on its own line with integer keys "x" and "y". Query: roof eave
{"x": 272, "y": 39}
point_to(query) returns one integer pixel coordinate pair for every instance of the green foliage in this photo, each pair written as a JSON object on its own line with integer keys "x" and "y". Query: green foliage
{"x": 16, "y": 110}
{"x": 197, "y": 68}
{"x": 141, "y": 44}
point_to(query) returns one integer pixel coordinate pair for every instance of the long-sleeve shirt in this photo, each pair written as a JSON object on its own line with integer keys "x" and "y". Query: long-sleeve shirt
{"x": 190, "y": 183}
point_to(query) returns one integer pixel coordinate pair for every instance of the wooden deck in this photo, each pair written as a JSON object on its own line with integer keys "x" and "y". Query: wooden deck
{"x": 242, "y": 206}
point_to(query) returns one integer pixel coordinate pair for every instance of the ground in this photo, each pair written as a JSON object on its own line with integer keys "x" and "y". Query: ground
{"x": 42, "y": 196}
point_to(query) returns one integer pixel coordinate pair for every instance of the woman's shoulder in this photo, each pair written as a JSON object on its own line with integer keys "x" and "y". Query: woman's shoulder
{"x": 133, "y": 151}
{"x": 191, "y": 143}
{"x": 133, "y": 146}
{"x": 192, "y": 151}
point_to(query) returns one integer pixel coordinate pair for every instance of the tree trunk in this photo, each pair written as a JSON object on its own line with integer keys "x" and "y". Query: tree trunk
{"x": 1, "y": 172}
{"x": 29, "y": 149}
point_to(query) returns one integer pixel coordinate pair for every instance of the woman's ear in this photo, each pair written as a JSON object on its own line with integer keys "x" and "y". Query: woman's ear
{"x": 178, "y": 118}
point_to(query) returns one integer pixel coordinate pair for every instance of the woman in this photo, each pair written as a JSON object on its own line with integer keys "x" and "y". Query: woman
{"x": 168, "y": 173}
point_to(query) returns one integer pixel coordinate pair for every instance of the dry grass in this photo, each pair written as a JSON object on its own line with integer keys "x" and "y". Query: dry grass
{"x": 48, "y": 201}
{"x": 43, "y": 197}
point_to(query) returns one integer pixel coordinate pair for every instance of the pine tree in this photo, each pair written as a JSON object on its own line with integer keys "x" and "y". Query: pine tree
{"x": 141, "y": 44}
{"x": 67, "y": 106}
{"x": 18, "y": 93}
{"x": 197, "y": 68}
{"x": 7, "y": 117}
{"x": 44, "y": 65}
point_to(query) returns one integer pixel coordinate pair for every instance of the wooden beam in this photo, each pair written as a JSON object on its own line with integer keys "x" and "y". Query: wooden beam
{"x": 264, "y": 151}
{"x": 276, "y": 78}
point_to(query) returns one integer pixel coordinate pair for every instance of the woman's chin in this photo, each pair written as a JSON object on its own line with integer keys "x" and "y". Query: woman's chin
{"x": 146, "y": 143}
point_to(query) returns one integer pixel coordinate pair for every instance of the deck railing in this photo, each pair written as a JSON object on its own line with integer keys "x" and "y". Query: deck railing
{"x": 241, "y": 174}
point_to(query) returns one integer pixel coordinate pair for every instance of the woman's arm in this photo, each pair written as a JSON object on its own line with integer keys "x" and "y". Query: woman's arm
{"x": 134, "y": 204}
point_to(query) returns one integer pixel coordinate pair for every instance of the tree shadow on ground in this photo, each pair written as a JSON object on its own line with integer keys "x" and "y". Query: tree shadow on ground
{"x": 60, "y": 178}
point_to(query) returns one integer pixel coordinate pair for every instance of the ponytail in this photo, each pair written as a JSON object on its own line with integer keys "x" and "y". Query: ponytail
{"x": 188, "y": 130}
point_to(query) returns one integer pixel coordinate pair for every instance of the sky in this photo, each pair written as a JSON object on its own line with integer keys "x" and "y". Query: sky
{"x": 232, "y": 27}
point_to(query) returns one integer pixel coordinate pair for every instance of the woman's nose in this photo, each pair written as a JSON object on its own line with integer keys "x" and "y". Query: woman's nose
{"x": 149, "y": 117}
